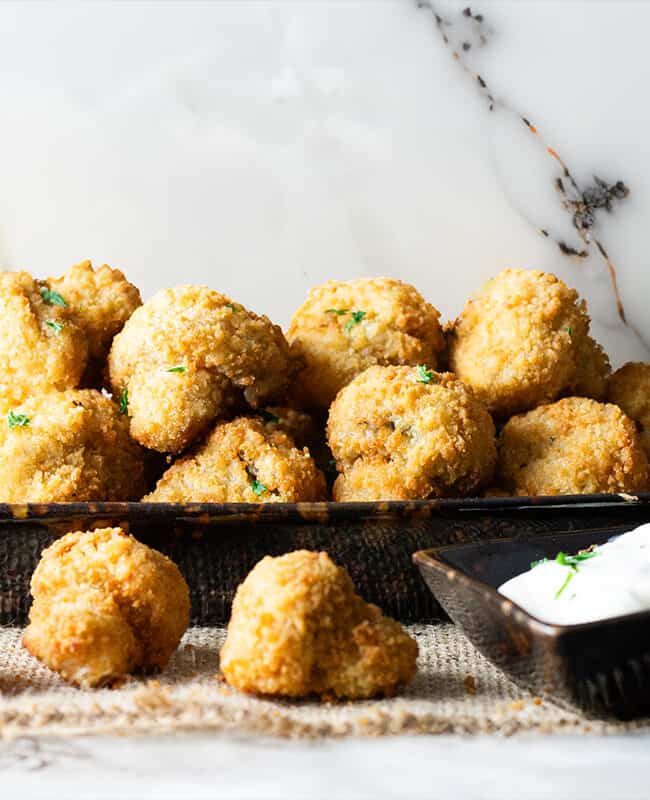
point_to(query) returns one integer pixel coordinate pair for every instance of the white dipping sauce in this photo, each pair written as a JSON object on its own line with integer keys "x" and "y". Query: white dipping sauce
{"x": 615, "y": 581}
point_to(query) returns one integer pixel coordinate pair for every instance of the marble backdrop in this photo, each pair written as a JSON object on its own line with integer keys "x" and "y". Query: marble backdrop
{"x": 263, "y": 147}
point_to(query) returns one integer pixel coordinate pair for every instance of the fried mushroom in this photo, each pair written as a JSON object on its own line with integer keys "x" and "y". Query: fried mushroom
{"x": 346, "y": 326}
{"x": 299, "y": 628}
{"x": 573, "y": 446}
{"x": 520, "y": 341}
{"x": 42, "y": 348}
{"x": 242, "y": 462}
{"x": 105, "y": 605}
{"x": 184, "y": 358}
{"x": 629, "y": 388}
{"x": 101, "y": 301}
{"x": 409, "y": 433}
{"x": 69, "y": 446}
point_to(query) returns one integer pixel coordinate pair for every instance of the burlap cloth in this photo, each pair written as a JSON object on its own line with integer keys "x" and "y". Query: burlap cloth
{"x": 456, "y": 691}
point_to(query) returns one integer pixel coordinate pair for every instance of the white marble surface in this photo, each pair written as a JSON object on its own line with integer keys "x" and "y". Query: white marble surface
{"x": 197, "y": 767}
{"x": 263, "y": 147}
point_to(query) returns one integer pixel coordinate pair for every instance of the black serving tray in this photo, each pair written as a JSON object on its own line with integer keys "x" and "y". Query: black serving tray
{"x": 215, "y": 545}
{"x": 601, "y": 667}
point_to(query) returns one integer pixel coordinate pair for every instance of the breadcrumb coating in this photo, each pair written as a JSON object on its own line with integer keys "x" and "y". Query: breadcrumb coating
{"x": 346, "y": 326}
{"x": 415, "y": 433}
{"x": 242, "y": 462}
{"x": 518, "y": 342}
{"x": 41, "y": 346}
{"x": 298, "y": 628}
{"x": 629, "y": 388}
{"x": 573, "y": 446}
{"x": 69, "y": 446}
{"x": 105, "y": 605}
{"x": 592, "y": 371}
{"x": 185, "y": 357}
{"x": 101, "y": 301}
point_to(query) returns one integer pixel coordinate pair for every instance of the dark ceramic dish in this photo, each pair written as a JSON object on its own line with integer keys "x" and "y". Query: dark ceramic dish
{"x": 601, "y": 667}
{"x": 215, "y": 545}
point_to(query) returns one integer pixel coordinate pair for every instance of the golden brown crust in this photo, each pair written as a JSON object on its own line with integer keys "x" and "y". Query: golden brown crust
{"x": 41, "y": 346}
{"x": 218, "y": 350}
{"x": 629, "y": 388}
{"x": 242, "y": 462}
{"x": 74, "y": 447}
{"x": 573, "y": 446}
{"x": 105, "y": 605}
{"x": 592, "y": 371}
{"x": 101, "y": 301}
{"x": 299, "y": 628}
{"x": 397, "y": 437}
{"x": 398, "y": 327}
{"x": 517, "y": 342}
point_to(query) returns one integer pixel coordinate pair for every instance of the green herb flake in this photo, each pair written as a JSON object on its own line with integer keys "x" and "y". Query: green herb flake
{"x": 569, "y": 330}
{"x": 425, "y": 375}
{"x": 124, "y": 402}
{"x": 572, "y": 563}
{"x": 257, "y": 487}
{"x": 233, "y": 307}
{"x": 267, "y": 416}
{"x": 17, "y": 420}
{"x": 338, "y": 311}
{"x": 180, "y": 368}
{"x": 52, "y": 298}
{"x": 534, "y": 564}
{"x": 57, "y": 327}
{"x": 566, "y": 583}
{"x": 355, "y": 319}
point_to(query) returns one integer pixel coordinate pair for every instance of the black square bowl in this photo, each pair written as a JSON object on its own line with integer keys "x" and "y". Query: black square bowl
{"x": 600, "y": 667}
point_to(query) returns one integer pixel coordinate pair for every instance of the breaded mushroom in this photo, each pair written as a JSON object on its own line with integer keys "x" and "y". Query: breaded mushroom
{"x": 573, "y": 446}
{"x": 242, "y": 462}
{"x": 518, "y": 343}
{"x": 69, "y": 446}
{"x": 592, "y": 371}
{"x": 41, "y": 346}
{"x": 100, "y": 301}
{"x": 184, "y": 358}
{"x": 346, "y": 326}
{"x": 105, "y": 605}
{"x": 299, "y": 628}
{"x": 629, "y": 388}
{"x": 409, "y": 433}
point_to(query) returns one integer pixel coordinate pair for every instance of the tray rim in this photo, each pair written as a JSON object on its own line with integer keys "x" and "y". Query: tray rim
{"x": 319, "y": 512}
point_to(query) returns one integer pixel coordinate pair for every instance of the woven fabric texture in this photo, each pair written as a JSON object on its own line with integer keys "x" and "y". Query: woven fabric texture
{"x": 456, "y": 691}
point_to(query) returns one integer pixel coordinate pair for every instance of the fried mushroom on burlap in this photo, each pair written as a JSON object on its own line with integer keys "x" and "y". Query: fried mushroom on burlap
{"x": 105, "y": 605}
{"x": 299, "y": 628}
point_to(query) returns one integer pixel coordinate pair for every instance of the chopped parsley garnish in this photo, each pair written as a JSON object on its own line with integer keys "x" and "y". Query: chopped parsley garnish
{"x": 425, "y": 375}
{"x": 355, "y": 319}
{"x": 179, "y": 368}
{"x": 572, "y": 563}
{"x": 338, "y": 311}
{"x": 232, "y": 307}
{"x": 567, "y": 580}
{"x": 124, "y": 402}
{"x": 17, "y": 420}
{"x": 51, "y": 297}
{"x": 534, "y": 564}
{"x": 267, "y": 416}
{"x": 569, "y": 330}
{"x": 257, "y": 487}
{"x": 57, "y": 327}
